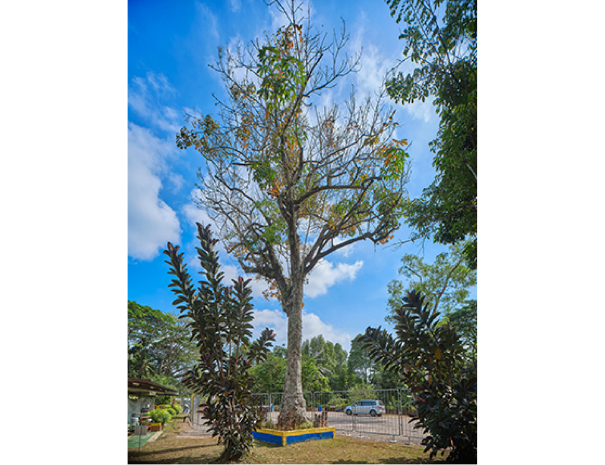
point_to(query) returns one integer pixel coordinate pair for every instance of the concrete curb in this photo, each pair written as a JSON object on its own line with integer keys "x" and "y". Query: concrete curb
{"x": 154, "y": 437}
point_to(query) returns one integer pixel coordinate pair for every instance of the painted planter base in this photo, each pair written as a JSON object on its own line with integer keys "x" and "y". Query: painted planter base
{"x": 284, "y": 438}
{"x": 155, "y": 427}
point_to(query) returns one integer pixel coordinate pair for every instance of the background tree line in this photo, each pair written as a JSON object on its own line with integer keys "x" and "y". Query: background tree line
{"x": 159, "y": 346}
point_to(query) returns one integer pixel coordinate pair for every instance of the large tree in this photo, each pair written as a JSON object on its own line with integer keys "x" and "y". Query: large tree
{"x": 330, "y": 359}
{"x": 445, "y": 283}
{"x": 441, "y": 39}
{"x": 289, "y": 183}
{"x": 158, "y": 345}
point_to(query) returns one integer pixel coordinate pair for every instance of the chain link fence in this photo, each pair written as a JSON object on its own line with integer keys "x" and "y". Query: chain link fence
{"x": 351, "y": 411}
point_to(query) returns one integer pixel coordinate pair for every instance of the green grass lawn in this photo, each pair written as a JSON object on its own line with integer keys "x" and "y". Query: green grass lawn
{"x": 133, "y": 441}
{"x": 170, "y": 448}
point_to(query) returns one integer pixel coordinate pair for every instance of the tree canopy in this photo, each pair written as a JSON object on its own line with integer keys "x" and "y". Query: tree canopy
{"x": 445, "y": 283}
{"x": 441, "y": 38}
{"x": 288, "y": 182}
{"x": 158, "y": 345}
{"x": 325, "y": 367}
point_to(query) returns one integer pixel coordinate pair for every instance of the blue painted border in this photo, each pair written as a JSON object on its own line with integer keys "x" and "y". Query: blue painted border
{"x": 283, "y": 438}
{"x": 270, "y": 438}
{"x": 309, "y": 437}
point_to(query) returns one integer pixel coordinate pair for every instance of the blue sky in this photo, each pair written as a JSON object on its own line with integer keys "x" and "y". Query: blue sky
{"x": 170, "y": 45}
{"x": 64, "y": 187}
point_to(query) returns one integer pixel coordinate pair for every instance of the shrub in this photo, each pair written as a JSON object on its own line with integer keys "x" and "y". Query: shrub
{"x": 320, "y": 419}
{"x": 430, "y": 359}
{"x": 171, "y": 411}
{"x": 336, "y": 402}
{"x": 307, "y": 424}
{"x": 268, "y": 424}
{"x": 288, "y": 421}
{"x": 160, "y": 415}
{"x": 178, "y": 408}
{"x": 220, "y": 323}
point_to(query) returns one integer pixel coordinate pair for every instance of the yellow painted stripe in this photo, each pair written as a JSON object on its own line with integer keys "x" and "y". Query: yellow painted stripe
{"x": 310, "y": 431}
{"x": 298, "y": 432}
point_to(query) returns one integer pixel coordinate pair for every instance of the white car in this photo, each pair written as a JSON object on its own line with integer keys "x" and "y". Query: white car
{"x": 373, "y": 407}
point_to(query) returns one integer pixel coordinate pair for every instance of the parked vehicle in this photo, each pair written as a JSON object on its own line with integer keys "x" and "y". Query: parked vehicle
{"x": 372, "y": 407}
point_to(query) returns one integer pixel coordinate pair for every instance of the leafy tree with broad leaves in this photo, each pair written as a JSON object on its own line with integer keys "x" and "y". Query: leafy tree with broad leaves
{"x": 464, "y": 321}
{"x": 323, "y": 368}
{"x": 269, "y": 375}
{"x": 221, "y": 324}
{"x": 158, "y": 345}
{"x": 441, "y": 39}
{"x": 429, "y": 358}
{"x": 327, "y": 355}
{"x": 359, "y": 360}
{"x": 289, "y": 183}
{"x": 445, "y": 283}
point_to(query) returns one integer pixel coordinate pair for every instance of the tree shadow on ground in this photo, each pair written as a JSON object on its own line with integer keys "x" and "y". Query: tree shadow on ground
{"x": 348, "y": 461}
{"x": 190, "y": 460}
{"x": 409, "y": 460}
{"x": 139, "y": 457}
{"x": 394, "y": 460}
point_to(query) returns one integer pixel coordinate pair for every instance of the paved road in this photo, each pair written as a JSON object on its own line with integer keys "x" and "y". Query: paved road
{"x": 384, "y": 428}
{"x": 391, "y": 425}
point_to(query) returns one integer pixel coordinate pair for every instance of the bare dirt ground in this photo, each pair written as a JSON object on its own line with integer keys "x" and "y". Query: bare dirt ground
{"x": 189, "y": 430}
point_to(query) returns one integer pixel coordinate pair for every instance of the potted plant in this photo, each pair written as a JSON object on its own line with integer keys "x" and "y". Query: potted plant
{"x": 159, "y": 417}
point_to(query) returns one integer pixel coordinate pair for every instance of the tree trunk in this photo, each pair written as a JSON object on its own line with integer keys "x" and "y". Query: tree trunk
{"x": 293, "y": 400}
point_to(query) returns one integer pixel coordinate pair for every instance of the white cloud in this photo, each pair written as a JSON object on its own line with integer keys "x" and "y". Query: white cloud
{"x": 278, "y": 19}
{"x": 151, "y": 222}
{"x": 177, "y": 181}
{"x": 421, "y": 110}
{"x": 194, "y": 214}
{"x": 144, "y": 96}
{"x": 207, "y": 20}
{"x": 312, "y": 326}
{"x": 325, "y": 275}
{"x": 374, "y": 69}
{"x": 235, "y": 5}
{"x": 272, "y": 319}
{"x": 258, "y": 286}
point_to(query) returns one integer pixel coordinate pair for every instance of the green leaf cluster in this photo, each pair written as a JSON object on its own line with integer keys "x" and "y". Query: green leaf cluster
{"x": 324, "y": 368}
{"x": 429, "y": 358}
{"x": 221, "y": 324}
{"x": 282, "y": 73}
{"x": 443, "y": 43}
{"x": 445, "y": 283}
{"x": 160, "y": 415}
{"x": 158, "y": 345}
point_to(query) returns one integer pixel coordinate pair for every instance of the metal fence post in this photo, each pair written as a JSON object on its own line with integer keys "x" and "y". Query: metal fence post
{"x": 399, "y": 411}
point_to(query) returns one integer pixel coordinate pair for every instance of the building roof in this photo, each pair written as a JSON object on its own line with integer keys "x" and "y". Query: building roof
{"x": 149, "y": 388}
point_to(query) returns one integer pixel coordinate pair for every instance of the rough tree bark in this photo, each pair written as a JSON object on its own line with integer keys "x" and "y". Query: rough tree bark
{"x": 293, "y": 399}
